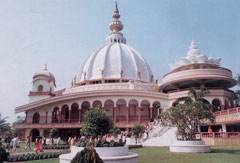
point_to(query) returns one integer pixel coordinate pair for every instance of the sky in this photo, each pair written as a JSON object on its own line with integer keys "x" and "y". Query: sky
{"x": 63, "y": 33}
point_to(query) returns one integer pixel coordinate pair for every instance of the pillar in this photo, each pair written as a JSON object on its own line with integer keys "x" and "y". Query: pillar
{"x": 69, "y": 115}
{"x": 115, "y": 114}
{"x": 79, "y": 115}
{"x": 151, "y": 112}
{"x": 224, "y": 128}
{"x": 139, "y": 114}
{"x": 127, "y": 114}
{"x": 46, "y": 121}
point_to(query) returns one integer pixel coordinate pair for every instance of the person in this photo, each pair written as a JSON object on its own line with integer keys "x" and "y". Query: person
{"x": 14, "y": 143}
{"x": 41, "y": 144}
{"x": 58, "y": 140}
{"x": 8, "y": 142}
{"x": 37, "y": 145}
{"x": 28, "y": 144}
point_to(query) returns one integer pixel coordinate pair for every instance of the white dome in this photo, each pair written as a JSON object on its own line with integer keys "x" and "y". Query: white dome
{"x": 114, "y": 61}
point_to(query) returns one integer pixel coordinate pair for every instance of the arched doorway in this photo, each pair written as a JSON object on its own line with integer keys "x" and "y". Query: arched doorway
{"x": 156, "y": 106}
{"x": 36, "y": 118}
{"x": 55, "y": 115}
{"x": 216, "y": 105}
{"x": 120, "y": 110}
{"x": 133, "y": 104}
{"x": 34, "y": 134}
{"x": 65, "y": 113}
{"x": 108, "y": 108}
{"x": 145, "y": 110}
{"x": 84, "y": 108}
{"x": 74, "y": 112}
{"x": 97, "y": 104}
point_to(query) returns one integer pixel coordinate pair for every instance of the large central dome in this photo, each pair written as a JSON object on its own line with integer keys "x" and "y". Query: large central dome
{"x": 115, "y": 61}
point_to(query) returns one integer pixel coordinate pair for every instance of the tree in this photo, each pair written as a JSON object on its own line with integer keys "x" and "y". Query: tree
{"x": 137, "y": 131}
{"x": 188, "y": 114}
{"x": 53, "y": 133}
{"x": 97, "y": 123}
{"x": 4, "y": 126}
{"x": 115, "y": 131}
{"x": 19, "y": 120}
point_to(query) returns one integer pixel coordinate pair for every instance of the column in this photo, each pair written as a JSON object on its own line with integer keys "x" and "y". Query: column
{"x": 127, "y": 114}
{"x": 224, "y": 128}
{"x": 151, "y": 113}
{"x": 69, "y": 115}
{"x": 59, "y": 116}
{"x": 79, "y": 115}
{"x": 115, "y": 114}
{"x": 139, "y": 114}
{"x": 46, "y": 117}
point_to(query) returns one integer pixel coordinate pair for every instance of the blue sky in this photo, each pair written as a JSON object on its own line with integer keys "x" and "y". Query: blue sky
{"x": 64, "y": 33}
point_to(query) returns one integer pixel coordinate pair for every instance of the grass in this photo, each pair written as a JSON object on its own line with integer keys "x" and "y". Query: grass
{"x": 162, "y": 155}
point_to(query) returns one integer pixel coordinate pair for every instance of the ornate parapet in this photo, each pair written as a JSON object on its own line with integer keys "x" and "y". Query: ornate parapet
{"x": 228, "y": 116}
{"x": 114, "y": 86}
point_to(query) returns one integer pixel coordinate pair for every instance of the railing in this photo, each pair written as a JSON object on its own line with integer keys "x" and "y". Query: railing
{"x": 228, "y": 111}
{"x": 220, "y": 134}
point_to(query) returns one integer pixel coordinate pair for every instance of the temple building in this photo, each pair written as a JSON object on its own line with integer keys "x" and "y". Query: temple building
{"x": 117, "y": 79}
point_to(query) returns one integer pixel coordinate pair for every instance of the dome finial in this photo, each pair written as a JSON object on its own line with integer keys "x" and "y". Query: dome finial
{"x": 45, "y": 67}
{"x": 116, "y": 24}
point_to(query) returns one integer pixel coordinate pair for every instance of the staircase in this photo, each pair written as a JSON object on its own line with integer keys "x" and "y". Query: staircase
{"x": 158, "y": 136}
{"x": 165, "y": 137}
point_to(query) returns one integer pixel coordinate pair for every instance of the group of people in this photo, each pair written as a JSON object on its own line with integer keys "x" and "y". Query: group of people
{"x": 10, "y": 143}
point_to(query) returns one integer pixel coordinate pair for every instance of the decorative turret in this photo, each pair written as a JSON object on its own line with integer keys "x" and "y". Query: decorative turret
{"x": 43, "y": 85}
{"x": 197, "y": 70}
{"x": 194, "y": 56}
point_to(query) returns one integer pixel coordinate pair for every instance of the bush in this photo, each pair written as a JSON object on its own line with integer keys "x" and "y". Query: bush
{"x": 97, "y": 123}
{"x": 88, "y": 155}
{"x": 34, "y": 156}
{"x": 3, "y": 154}
{"x": 56, "y": 146}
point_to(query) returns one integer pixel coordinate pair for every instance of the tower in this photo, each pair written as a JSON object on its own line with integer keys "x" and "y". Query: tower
{"x": 43, "y": 85}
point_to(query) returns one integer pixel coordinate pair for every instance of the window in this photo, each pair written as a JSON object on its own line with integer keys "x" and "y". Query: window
{"x": 40, "y": 88}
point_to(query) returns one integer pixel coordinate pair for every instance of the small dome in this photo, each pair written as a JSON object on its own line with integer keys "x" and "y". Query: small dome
{"x": 46, "y": 73}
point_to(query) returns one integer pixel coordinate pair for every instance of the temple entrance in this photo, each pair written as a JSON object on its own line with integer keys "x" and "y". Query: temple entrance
{"x": 34, "y": 134}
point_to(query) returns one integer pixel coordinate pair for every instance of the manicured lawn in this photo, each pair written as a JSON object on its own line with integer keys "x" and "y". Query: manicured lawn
{"x": 162, "y": 155}
{"x": 56, "y": 160}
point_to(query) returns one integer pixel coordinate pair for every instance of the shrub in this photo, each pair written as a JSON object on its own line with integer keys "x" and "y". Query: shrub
{"x": 53, "y": 133}
{"x": 88, "y": 155}
{"x": 97, "y": 123}
{"x": 137, "y": 131}
{"x": 34, "y": 156}
{"x": 3, "y": 154}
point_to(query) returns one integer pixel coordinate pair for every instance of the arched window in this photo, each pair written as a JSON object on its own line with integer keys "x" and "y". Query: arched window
{"x": 97, "y": 104}
{"x": 36, "y": 118}
{"x": 216, "y": 105}
{"x": 40, "y": 88}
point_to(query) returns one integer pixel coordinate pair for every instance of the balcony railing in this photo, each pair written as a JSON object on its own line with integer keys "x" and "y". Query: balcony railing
{"x": 228, "y": 111}
{"x": 220, "y": 134}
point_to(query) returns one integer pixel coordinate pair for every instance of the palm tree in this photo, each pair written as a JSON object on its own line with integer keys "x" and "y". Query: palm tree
{"x": 4, "y": 126}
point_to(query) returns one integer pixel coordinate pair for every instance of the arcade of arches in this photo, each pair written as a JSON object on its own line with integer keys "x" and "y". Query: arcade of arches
{"x": 121, "y": 111}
